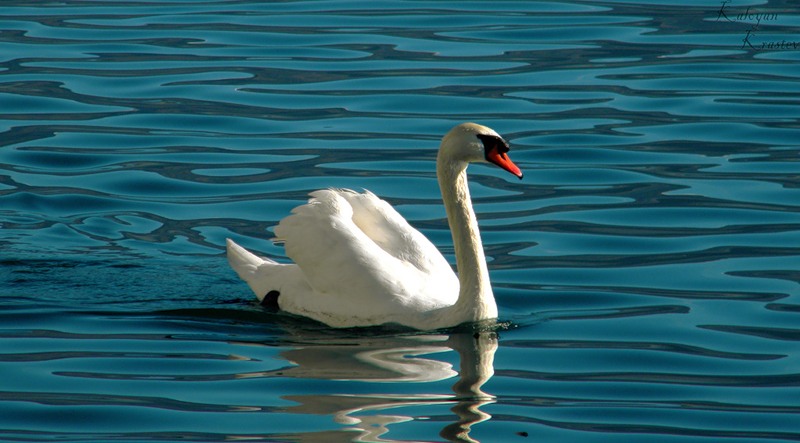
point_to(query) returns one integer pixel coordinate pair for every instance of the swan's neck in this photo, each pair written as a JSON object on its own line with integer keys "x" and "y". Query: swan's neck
{"x": 475, "y": 298}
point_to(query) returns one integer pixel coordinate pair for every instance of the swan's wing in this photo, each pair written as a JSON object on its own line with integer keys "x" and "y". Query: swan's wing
{"x": 386, "y": 227}
{"x": 339, "y": 258}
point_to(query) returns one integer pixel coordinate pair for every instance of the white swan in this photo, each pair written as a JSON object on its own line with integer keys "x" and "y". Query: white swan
{"x": 357, "y": 262}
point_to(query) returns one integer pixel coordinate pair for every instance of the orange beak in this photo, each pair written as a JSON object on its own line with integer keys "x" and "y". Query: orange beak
{"x": 501, "y": 159}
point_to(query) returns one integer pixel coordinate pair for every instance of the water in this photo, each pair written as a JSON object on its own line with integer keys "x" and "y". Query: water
{"x": 646, "y": 268}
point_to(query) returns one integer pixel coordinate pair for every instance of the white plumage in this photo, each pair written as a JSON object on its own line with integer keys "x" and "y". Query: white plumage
{"x": 358, "y": 262}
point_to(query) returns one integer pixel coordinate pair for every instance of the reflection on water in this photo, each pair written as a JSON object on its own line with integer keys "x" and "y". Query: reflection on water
{"x": 393, "y": 359}
{"x": 188, "y": 363}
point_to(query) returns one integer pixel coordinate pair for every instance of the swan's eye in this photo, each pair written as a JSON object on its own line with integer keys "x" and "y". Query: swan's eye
{"x": 493, "y": 142}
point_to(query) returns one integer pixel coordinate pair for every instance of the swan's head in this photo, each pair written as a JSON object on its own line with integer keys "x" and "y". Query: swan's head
{"x": 474, "y": 143}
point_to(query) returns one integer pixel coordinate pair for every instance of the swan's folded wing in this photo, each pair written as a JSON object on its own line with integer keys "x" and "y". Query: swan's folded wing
{"x": 338, "y": 258}
{"x": 386, "y": 227}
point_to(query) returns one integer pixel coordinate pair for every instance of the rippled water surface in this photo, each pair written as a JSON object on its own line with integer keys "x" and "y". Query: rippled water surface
{"x": 646, "y": 268}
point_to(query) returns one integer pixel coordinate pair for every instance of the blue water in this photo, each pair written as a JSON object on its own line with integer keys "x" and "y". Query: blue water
{"x": 647, "y": 269}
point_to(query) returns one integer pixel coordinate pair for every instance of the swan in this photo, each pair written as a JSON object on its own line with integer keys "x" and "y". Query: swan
{"x": 358, "y": 262}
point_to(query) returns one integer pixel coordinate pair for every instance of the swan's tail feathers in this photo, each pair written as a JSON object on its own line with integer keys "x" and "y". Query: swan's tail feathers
{"x": 254, "y": 270}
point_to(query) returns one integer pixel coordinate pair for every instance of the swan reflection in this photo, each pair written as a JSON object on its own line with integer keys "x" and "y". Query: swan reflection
{"x": 394, "y": 359}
